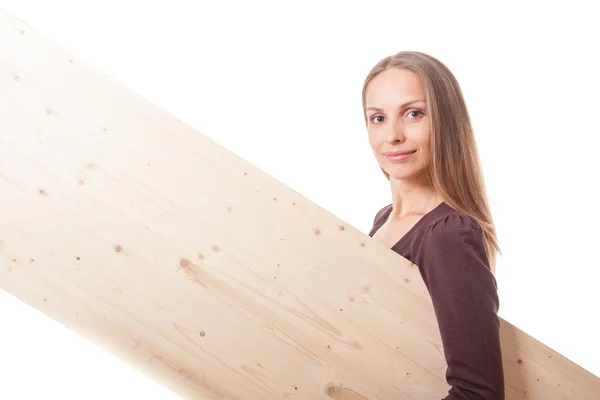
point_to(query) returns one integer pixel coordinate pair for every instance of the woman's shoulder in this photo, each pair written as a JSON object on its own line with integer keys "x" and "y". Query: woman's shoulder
{"x": 379, "y": 218}
{"x": 381, "y": 213}
{"x": 450, "y": 245}
{"x": 447, "y": 223}
{"x": 452, "y": 237}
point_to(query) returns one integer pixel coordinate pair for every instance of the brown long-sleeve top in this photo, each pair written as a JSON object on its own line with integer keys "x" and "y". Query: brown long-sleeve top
{"x": 448, "y": 248}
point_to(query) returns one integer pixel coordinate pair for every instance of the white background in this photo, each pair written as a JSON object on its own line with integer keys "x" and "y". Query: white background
{"x": 279, "y": 83}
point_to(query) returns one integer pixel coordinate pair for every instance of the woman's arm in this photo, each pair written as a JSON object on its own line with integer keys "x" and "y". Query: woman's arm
{"x": 463, "y": 289}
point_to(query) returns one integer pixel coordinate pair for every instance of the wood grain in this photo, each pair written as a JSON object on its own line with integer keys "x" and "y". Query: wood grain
{"x": 197, "y": 268}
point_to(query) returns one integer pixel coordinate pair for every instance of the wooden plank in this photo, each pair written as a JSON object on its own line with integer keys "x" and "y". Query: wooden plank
{"x": 197, "y": 268}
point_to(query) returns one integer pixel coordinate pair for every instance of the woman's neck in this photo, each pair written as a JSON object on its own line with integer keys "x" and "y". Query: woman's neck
{"x": 412, "y": 197}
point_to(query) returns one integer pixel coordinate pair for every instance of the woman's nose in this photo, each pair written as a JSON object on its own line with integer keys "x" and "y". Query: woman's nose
{"x": 395, "y": 134}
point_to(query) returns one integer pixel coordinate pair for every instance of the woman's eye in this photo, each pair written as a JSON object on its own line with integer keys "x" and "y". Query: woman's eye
{"x": 375, "y": 118}
{"x": 415, "y": 111}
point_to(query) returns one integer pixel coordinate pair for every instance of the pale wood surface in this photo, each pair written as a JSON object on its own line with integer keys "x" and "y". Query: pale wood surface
{"x": 153, "y": 241}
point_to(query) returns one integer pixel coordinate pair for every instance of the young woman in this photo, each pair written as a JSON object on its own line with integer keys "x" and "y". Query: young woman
{"x": 420, "y": 133}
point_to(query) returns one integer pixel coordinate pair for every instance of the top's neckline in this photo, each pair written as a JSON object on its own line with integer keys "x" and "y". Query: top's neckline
{"x": 420, "y": 222}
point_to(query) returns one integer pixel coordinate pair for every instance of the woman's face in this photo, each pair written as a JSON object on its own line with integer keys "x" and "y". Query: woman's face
{"x": 399, "y": 131}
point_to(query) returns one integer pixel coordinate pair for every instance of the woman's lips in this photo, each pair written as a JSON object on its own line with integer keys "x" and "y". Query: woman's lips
{"x": 399, "y": 155}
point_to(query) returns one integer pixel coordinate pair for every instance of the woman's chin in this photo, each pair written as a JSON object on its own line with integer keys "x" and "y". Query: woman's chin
{"x": 405, "y": 174}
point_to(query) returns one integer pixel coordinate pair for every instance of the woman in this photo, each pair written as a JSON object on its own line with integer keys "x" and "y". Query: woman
{"x": 420, "y": 133}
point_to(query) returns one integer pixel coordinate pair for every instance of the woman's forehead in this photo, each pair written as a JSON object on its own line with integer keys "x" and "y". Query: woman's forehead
{"x": 394, "y": 87}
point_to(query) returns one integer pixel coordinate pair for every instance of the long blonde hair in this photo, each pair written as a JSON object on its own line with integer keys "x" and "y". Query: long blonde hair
{"x": 455, "y": 171}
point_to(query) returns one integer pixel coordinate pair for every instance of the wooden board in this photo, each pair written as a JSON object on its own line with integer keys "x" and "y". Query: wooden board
{"x": 197, "y": 268}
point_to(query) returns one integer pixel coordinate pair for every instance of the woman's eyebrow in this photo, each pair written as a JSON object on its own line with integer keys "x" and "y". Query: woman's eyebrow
{"x": 402, "y": 106}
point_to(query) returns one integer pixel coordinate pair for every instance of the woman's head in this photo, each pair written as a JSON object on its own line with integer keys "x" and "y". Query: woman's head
{"x": 435, "y": 129}
{"x": 398, "y": 123}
